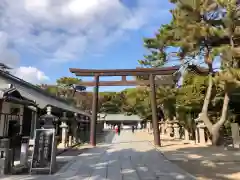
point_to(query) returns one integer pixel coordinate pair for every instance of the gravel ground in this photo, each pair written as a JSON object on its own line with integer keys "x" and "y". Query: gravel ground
{"x": 204, "y": 162}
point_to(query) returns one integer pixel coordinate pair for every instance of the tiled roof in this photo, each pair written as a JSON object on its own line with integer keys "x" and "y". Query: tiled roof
{"x": 119, "y": 117}
{"x": 40, "y": 96}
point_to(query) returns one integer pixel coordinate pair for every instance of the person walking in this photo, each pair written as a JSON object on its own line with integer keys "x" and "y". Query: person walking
{"x": 116, "y": 129}
{"x": 119, "y": 130}
{"x": 133, "y": 129}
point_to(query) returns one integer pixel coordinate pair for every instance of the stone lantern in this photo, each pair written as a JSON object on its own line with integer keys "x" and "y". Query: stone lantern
{"x": 176, "y": 128}
{"x": 169, "y": 128}
{"x": 64, "y": 128}
{"x": 48, "y": 120}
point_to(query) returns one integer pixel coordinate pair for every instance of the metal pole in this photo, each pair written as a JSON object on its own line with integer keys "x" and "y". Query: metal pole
{"x": 94, "y": 112}
{"x": 156, "y": 132}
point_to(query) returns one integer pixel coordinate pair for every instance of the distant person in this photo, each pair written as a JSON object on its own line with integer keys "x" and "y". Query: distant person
{"x": 116, "y": 129}
{"x": 133, "y": 128}
{"x": 119, "y": 129}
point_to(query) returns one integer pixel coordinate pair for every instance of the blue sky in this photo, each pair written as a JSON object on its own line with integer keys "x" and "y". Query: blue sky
{"x": 42, "y": 39}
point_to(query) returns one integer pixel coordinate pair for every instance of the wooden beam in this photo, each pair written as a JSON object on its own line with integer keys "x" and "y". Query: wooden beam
{"x": 124, "y": 78}
{"x": 76, "y": 70}
{"x": 114, "y": 83}
{"x": 125, "y": 72}
{"x": 158, "y": 81}
{"x": 140, "y": 73}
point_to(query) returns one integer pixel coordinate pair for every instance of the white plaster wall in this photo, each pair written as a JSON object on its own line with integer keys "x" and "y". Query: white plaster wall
{"x": 6, "y": 107}
{"x": 4, "y": 83}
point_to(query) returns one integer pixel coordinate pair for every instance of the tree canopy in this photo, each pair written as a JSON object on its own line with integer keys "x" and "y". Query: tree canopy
{"x": 200, "y": 33}
{"x": 205, "y": 30}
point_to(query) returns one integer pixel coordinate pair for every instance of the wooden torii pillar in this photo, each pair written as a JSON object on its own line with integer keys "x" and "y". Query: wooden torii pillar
{"x": 156, "y": 132}
{"x": 150, "y": 72}
{"x": 94, "y": 112}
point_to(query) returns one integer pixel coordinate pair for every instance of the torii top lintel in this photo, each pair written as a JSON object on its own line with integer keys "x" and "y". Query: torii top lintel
{"x": 125, "y": 72}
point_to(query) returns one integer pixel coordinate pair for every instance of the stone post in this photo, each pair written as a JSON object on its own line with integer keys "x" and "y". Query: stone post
{"x": 197, "y": 135}
{"x": 53, "y": 169}
{"x": 176, "y": 129}
{"x": 235, "y": 135}
{"x": 70, "y": 141}
{"x": 24, "y": 151}
{"x": 197, "y": 131}
{"x": 64, "y": 127}
{"x": 5, "y": 153}
{"x": 148, "y": 126}
{"x": 201, "y": 126}
{"x": 161, "y": 127}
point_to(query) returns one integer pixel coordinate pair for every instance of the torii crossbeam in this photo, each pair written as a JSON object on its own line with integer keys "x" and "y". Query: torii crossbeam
{"x": 149, "y": 72}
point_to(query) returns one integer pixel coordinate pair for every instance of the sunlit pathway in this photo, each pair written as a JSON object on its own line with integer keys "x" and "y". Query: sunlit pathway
{"x": 125, "y": 159}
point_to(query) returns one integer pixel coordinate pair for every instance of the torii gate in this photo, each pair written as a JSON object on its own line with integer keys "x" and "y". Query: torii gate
{"x": 149, "y": 72}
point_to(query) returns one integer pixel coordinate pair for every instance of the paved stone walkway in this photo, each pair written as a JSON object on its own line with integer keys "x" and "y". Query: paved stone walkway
{"x": 126, "y": 158}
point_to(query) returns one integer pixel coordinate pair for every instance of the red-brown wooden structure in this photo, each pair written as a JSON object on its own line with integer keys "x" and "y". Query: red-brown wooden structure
{"x": 149, "y": 72}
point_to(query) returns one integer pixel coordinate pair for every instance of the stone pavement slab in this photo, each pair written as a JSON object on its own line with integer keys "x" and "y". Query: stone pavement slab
{"x": 126, "y": 158}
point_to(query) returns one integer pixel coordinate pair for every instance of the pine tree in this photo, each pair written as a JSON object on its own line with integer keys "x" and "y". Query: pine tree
{"x": 207, "y": 29}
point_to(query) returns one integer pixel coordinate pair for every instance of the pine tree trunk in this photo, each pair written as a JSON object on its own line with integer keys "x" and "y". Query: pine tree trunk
{"x": 216, "y": 127}
{"x": 216, "y": 136}
{"x": 204, "y": 114}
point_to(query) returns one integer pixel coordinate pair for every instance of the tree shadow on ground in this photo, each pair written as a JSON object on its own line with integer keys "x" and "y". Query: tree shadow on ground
{"x": 68, "y": 154}
{"x": 64, "y": 157}
{"x": 110, "y": 162}
{"x": 103, "y": 137}
{"x": 206, "y": 162}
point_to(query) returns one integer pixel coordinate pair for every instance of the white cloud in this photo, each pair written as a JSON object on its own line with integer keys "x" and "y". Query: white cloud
{"x": 63, "y": 30}
{"x": 7, "y": 55}
{"x": 10, "y": 57}
{"x": 31, "y": 74}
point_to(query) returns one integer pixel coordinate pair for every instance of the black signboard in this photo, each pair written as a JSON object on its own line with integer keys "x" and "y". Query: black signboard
{"x": 44, "y": 156}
